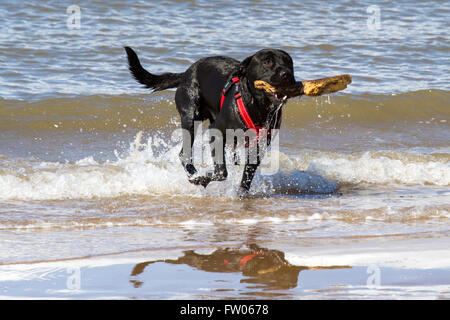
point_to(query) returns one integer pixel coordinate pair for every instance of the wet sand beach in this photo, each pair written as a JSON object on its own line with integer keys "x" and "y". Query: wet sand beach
{"x": 94, "y": 203}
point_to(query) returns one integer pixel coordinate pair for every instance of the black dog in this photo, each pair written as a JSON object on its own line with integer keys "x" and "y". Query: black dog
{"x": 203, "y": 92}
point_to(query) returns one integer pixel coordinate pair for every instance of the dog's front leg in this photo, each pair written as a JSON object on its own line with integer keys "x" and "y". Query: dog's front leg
{"x": 253, "y": 160}
{"x": 247, "y": 178}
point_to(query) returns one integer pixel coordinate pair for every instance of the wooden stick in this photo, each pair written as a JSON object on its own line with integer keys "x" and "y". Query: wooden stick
{"x": 310, "y": 88}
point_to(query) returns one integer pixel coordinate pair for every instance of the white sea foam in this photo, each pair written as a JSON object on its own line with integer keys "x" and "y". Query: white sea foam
{"x": 143, "y": 171}
{"x": 372, "y": 168}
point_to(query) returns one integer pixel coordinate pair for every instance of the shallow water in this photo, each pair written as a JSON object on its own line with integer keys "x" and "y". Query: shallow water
{"x": 91, "y": 185}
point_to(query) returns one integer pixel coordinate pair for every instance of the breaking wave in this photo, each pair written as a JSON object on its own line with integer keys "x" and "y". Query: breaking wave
{"x": 144, "y": 171}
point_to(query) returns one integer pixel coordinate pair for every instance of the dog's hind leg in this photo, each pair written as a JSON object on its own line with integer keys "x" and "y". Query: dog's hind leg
{"x": 220, "y": 170}
{"x": 185, "y": 154}
{"x": 187, "y": 105}
{"x": 217, "y": 144}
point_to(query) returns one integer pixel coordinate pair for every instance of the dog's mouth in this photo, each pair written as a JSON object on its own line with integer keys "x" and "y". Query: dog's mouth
{"x": 276, "y": 98}
{"x": 279, "y": 93}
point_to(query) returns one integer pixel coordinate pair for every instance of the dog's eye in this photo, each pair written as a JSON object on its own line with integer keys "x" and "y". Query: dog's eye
{"x": 267, "y": 63}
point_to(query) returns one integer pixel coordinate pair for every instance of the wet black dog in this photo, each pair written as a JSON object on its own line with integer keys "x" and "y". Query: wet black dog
{"x": 199, "y": 94}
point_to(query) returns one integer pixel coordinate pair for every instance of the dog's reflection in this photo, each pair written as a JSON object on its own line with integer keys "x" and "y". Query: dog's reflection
{"x": 259, "y": 265}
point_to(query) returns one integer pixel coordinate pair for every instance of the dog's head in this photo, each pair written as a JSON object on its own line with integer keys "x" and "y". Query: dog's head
{"x": 273, "y": 66}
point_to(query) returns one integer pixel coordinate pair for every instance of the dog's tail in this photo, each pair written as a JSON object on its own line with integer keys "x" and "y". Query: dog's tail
{"x": 152, "y": 81}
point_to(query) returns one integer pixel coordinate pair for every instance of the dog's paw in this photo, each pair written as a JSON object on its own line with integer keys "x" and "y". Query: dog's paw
{"x": 242, "y": 193}
{"x": 190, "y": 170}
{"x": 218, "y": 176}
{"x": 201, "y": 180}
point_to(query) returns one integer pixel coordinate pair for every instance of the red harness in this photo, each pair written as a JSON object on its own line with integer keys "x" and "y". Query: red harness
{"x": 240, "y": 104}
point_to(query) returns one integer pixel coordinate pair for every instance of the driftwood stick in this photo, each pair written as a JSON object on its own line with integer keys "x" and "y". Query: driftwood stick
{"x": 310, "y": 88}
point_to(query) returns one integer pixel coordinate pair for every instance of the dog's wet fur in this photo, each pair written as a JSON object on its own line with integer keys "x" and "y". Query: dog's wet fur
{"x": 198, "y": 94}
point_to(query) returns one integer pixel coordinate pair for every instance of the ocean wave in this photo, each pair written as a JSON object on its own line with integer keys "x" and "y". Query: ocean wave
{"x": 143, "y": 171}
{"x": 375, "y": 167}
{"x": 157, "y": 110}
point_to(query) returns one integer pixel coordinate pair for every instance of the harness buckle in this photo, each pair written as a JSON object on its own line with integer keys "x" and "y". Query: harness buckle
{"x": 230, "y": 83}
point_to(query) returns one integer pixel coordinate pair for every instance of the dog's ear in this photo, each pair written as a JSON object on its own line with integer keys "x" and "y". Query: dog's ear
{"x": 244, "y": 65}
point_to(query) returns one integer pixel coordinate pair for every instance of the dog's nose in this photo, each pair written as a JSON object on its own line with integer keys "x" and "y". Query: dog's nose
{"x": 285, "y": 75}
